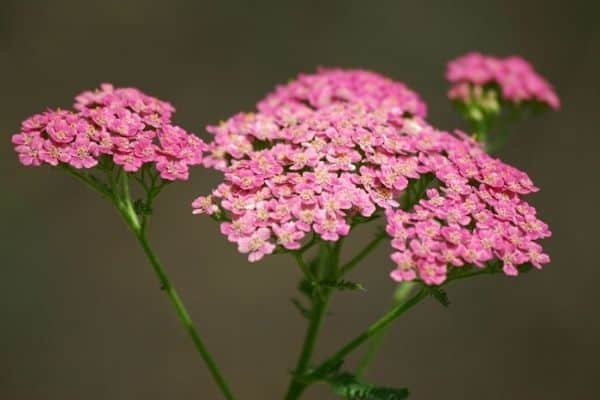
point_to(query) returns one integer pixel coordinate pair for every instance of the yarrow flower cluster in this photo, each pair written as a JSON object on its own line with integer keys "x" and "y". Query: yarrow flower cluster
{"x": 301, "y": 97}
{"x": 517, "y": 80}
{"x": 322, "y": 154}
{"x": 123, "y": 123}
{"x": 328, "y": 86}
{"x": 322, "y": 171}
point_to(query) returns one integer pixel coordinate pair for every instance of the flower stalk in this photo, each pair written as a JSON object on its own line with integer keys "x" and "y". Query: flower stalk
{"x": 320, "y": 156}
{"x": 119, "y": 194}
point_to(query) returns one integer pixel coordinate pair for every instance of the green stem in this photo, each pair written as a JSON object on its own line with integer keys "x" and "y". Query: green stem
{"x": 128, "y": 213}
{"x": 364, "y": 252}
{"x": 402, "y": 292}
{"x": 371, "y": 331}
{"x": 103, "y": 191}
{"x": 304, "y": 267}
{"x": 320, "y": 301}
{"x": 184, "y": 316}
{"x": 298, "y": 385}
{"x": 124, "y": 205}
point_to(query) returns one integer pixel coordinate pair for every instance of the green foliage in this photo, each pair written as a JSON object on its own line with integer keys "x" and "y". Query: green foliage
{"x": 142, "y": 208}
{"x": 440, "y": 295}
{"x": 315, "y": 289}
{"x": 347, "y": 386}
{"x": 309, "y": 288}
{"x": 342, "y": 285}
{"x": 416, "y": 189}
{"x": 306, "y": 287}
{"x": 304, "y": 311}
{"x": 258, "y": 145}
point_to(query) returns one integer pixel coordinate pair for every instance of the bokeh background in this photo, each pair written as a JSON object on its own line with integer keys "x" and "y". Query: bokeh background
{"x": 81, "y": 314}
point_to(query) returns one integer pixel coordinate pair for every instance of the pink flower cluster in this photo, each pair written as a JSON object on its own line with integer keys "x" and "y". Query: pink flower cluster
{"x": 328, "y": 86}
{"x": 122, "y": 123}
{"x": 287, "y": 179}
{"x": 290, "y": 103}
{"x": 473, "y": 215}
{"x": 517, "y": 79}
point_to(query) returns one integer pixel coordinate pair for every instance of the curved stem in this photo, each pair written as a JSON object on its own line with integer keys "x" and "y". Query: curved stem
{"x": 127, "y": 211}
{"x": 120, "y": 196}
{"x": 184, "y": 316}
{"x": 371, "y": 331}
{"x": 102, "y": 190}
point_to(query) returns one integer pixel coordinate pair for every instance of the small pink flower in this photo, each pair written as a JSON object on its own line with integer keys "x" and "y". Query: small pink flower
{"x": 128, "y": 161}
{"x": 144, "y": 150}
{"x": 25, "y": 138}
{"x": 82, "y": 154}
{"x": 363, "y": 203}
{"x": 536, "y": 257}
{"x": 204, "y": 205}
{"x": 331, "y": 228}
{"x": 432, "y": 272}
{"x": 29, "y": 154}
{"x": 303, "y": 158}
{"x": 288, "y": 235}
{"x": 245, "y": 179}
{"x": 392, "y": 178}
{"x": 62, "y": 130}
{"x": 238, "y": 228}
{"x": 172, "y": 170}
{"x": 256, "y": 245}
{"x": 405, "y": 267}
{"x": 54, "y": 154}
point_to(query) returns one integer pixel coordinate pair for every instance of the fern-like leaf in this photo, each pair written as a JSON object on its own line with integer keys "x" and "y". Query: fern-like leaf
{"x": 342, "y": 285}
{"x": 440, "y": 295}
{"x": 349, "y": 387}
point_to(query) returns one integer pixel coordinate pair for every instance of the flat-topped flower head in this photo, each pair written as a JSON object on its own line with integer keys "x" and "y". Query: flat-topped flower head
{"x": 515, "y": 78}
{"x": 321, "y": 174}
{"x": 124, "y": 124}
{"x": 291, "y": 103}
{"x": 328, "y": 86}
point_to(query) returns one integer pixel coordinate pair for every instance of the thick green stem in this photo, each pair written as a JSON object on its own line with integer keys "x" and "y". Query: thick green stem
{"x": 298, "y": 385}
{"x": 328, "y": 263}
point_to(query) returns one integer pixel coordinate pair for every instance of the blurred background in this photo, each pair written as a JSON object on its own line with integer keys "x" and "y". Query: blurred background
{"x": 81, "y": 313}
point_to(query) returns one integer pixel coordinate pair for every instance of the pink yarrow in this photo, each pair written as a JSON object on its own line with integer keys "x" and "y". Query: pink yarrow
{"x": 335, "y": 85}
{"x": 356, "y": 162}
{"x": 517, "y": 79}
{"x": 124, "y": 124}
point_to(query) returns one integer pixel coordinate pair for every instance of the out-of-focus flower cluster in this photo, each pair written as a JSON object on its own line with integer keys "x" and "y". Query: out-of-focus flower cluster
{"x": 516, "y": 78}
{"x": 338, "y": 161}
{"x": 123, "y": 123}
{"x": 311, "y": 92}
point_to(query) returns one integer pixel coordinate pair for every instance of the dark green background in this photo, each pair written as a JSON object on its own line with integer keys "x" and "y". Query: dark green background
{"x": 81, "y": 313}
